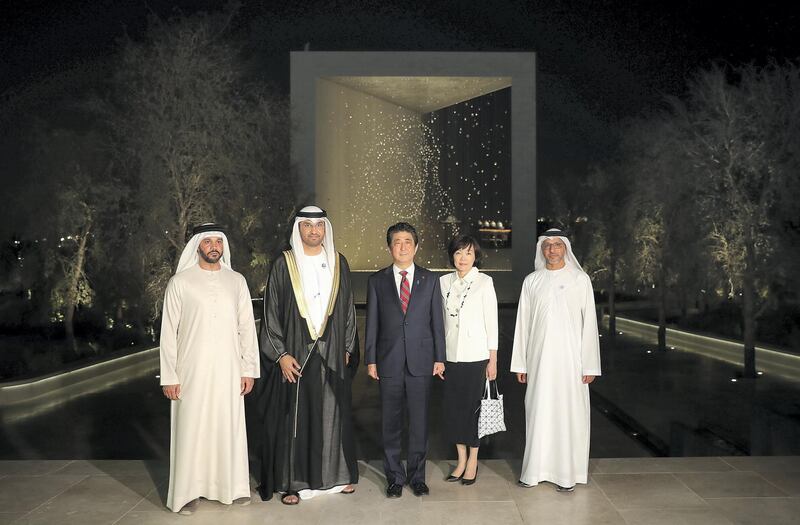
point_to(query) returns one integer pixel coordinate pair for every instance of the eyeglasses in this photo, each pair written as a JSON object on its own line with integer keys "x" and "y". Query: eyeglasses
{"x": 553, "y": 246}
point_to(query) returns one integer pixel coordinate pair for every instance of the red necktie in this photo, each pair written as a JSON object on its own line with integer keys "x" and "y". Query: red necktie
{"x": 405, "y": 291}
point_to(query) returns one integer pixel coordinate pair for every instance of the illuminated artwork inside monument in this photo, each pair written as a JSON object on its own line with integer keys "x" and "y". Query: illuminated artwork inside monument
{"x": 432, "y": 151}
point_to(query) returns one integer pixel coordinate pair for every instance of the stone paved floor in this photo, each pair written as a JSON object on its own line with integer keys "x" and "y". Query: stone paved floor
{"x": 694, "y": 490}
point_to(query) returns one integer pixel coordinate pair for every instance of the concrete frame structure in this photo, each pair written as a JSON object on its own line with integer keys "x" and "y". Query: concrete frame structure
{"x": 307, "y": 67}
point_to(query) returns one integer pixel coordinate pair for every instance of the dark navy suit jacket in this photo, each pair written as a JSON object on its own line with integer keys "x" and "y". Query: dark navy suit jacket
{"x": 394, "y": 340}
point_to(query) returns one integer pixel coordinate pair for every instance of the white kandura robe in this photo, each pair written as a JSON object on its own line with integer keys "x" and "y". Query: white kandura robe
{"x": 556, "y": 343}
{"x": 208, "y": 343}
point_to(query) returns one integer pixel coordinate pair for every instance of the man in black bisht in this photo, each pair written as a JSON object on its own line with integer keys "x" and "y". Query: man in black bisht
{"x": 309, "y": 352}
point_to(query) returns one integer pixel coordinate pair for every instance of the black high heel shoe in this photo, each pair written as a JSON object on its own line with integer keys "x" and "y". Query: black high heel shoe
{"x": 465, "y": 481}
{"x": 453, "y": 479}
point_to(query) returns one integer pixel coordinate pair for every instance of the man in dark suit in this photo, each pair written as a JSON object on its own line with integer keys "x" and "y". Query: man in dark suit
{"x": 404, "y": 349}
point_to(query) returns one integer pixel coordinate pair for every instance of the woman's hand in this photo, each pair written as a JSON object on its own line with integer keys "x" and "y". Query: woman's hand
{"x": 491, "y": 370}
{"x": 491, "y": 367}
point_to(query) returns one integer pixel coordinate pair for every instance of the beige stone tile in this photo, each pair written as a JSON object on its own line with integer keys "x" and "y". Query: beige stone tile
{"x": 542, "y": 504}
{"x": 208, "y": 512}
{"x": 102, "y": 495}
{"x": 369, "y": 506}
{"x": 100, "y": 514}
{"x": 400, "y": 516}
{"x": 630, "y": 491}
{"x": 545, "y": 492}
{"x": 759, "y": 511}
{"x": 112, "y": 467}
{"x": 674, "y": 517}
{"x": 155, "y": 500}
{"x": 152, "y": 518}
{"x": 729, "y": 485}
{"x": 789, "y": 482}
{"x": 270, "y": 512}
{"x": 765, "y": 463}
{"x": 469, "y": 513}
{"x": 24, "y": 493}
{"x": 660, "y": 465}
{"x": 9, "y": 517}
{"x": 31, "y": 467}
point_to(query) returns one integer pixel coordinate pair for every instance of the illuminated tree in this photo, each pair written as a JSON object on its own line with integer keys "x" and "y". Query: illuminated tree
{"x": 83, "y": 206}
{"x": 668, "y": 236}
{"x": 739, "y": 130}
{"x": 204, "y": 143}
{"x": 610, "y": 190}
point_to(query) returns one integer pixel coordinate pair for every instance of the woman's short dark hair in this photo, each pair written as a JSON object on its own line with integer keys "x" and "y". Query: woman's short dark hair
{"x": 465, "y": 241}
{"x": 401, "y": 227}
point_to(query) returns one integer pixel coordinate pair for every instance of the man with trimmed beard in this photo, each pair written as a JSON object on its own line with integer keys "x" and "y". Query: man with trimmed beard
{"x": 209, "y": 359}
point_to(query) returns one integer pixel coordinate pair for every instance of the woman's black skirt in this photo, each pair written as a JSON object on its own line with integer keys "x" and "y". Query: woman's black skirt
{"x": 463, "y": 390}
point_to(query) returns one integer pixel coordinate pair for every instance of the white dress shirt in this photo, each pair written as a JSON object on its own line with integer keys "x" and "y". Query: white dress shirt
{"x": 317, "y": 286}
{"x": 398, "y": 278}
{"x": 470, "y": 316}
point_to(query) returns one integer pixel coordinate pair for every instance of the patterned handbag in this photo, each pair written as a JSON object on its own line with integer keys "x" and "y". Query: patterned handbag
{"x": 491, "y": 419}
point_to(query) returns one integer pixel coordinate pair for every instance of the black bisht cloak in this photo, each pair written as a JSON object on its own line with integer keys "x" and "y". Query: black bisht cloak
{"x": 324, "y": 452}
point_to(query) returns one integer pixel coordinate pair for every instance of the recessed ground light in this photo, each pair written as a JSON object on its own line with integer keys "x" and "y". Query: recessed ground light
{"x": 649, "y": 351}
{"x": 672, "y": 348}
{"x": 733, "y": 380}
{"x": 760, "y": 373}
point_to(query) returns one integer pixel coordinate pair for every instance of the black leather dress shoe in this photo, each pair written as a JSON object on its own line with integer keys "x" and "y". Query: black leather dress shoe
{"x": 394, "y": 490}
{"x": 420, "y": 488}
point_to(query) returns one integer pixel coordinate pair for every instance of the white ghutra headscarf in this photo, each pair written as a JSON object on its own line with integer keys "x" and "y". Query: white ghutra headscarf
{"x": 190, "y": 257}
{"x": 540, "y": 263}
{"x": 315, "y": 215}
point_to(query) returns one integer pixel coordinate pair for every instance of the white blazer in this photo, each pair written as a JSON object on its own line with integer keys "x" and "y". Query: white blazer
{"x": 476, "y": 323}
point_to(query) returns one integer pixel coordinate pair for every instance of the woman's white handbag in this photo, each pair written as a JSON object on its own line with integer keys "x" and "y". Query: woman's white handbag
{"x": 491, "y": 419}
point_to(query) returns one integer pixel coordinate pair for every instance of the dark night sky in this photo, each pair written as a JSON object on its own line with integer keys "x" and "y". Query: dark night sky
{"x": 655, "y": 43}
{"x": 599, "y": 61}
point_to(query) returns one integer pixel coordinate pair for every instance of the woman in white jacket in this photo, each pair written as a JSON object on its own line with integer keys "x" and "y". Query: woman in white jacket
{"x": 470, "y": 319}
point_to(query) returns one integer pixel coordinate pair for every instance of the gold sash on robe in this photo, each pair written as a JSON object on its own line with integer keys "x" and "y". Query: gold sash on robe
{"x": 299, "y": 296}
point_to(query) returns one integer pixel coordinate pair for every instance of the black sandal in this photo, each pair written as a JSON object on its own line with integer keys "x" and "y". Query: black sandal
{"x": 289, "y": 494}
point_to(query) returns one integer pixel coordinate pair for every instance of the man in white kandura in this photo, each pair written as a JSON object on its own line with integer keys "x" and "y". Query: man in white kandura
{"x": 209, "y": 359}
{"x": 557, "y": 354}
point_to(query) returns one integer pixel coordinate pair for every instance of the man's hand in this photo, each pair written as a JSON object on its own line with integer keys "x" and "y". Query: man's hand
{"x": 290, "y": 368}
{"x": 588, "y": 379}
{"x": 247, "y": 385}
{"x": 173, "y": 392}
{"x": 372, "y": 371}
{"x": 347, "y": 359}
{"x": 522, "y": 378}
{"x": 438, "y": 370}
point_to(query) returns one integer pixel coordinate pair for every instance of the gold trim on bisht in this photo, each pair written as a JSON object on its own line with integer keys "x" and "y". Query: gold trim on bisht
{"x": 299, "y": 296}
